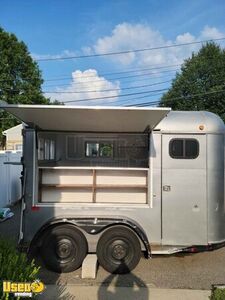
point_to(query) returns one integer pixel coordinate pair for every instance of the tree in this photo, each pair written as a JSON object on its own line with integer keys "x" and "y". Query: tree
{"x": 20, "y": 77}
{"x": 200, "y": 85}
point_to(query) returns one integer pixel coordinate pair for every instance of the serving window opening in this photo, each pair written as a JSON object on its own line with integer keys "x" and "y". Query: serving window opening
{"x": 99, "y": 150}
{"x": 88, "y": 167}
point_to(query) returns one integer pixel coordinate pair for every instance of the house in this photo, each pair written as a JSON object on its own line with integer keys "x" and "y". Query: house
{"x": 14, "y": 139}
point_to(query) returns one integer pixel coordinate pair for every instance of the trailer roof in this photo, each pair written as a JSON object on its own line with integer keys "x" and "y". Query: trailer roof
{"x": 191, "y": 122}
{"x": 87, "y": 118}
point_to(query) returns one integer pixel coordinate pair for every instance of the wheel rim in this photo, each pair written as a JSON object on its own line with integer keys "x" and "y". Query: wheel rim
{"x": 64, "y": 249}
{"x": 118, "y": 251}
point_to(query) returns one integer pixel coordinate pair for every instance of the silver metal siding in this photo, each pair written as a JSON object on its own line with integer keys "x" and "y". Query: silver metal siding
{"x": 184, "y": 206}
{"x": 215, "y": 187}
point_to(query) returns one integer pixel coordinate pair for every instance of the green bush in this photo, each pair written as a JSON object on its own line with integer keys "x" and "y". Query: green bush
{"x": 14, "y": 266}
{"x": 218, "y": 294}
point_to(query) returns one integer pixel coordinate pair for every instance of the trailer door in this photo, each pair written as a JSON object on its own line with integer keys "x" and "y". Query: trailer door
{"x": 184, "y": 203}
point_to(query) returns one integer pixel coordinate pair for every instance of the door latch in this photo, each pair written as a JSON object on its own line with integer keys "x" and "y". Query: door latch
{"x": 166, "y": 188}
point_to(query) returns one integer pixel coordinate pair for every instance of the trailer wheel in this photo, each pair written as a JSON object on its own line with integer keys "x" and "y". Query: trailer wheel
{"x": 64, "y": 248}
{"x": 118, "y": 250}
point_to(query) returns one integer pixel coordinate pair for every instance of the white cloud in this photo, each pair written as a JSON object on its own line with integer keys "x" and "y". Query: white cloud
{"x": 87, "y": 85}
{"x": 211, "y": 33}
{"x": 128, "y": 36}
{"x": 185, "y": 38}
{"x": 65, "y": 53}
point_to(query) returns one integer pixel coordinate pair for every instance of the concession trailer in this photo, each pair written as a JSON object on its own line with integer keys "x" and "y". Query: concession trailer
{"x": 119, "y": 181}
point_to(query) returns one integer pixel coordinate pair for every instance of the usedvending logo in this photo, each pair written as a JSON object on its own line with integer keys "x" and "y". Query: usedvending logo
{"x": 23, "y": 289}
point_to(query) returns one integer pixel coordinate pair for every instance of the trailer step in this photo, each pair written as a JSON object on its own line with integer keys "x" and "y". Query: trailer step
{"x": 158, "y": 249}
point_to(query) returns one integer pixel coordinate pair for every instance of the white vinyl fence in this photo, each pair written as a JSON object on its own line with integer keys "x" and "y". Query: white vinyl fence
{"x": 10, "y": 184}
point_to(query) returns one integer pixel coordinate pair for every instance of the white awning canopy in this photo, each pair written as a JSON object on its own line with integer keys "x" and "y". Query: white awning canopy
{"x": 89, "y": 119}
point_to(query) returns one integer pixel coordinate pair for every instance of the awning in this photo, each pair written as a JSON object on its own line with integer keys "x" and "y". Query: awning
{"x": 89, "y": 119}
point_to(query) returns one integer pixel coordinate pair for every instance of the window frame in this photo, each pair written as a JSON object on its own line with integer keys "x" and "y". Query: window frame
{"x": 67, "y": 147}
{"x": 184, "y": 148}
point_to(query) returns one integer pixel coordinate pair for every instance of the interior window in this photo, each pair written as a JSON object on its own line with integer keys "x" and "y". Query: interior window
{"x": 46, "y": 149}
{"x": 184, "y": 148}
{"x": 92, "y": 149}
{"x": 103, "y": 149}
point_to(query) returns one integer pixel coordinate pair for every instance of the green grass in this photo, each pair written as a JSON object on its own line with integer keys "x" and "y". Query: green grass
{"x": 218, "y": 293}
{"x": 14, "y": 266}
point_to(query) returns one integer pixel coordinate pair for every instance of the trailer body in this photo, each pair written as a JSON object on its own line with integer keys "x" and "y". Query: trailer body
{"x": 157, "y": 173}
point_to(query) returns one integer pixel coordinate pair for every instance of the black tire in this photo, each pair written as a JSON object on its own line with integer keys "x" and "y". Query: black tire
{"x": 64, "y": 248}
{"x": 118, "y": 250}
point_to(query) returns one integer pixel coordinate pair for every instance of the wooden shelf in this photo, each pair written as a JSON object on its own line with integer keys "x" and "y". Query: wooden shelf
{"x": 124, "y": 186}
{"x": 92, "y": 168}
{"x": 95, "y": 185}
{"x": 67, "y": 186}
{"x": 99, "y": 186}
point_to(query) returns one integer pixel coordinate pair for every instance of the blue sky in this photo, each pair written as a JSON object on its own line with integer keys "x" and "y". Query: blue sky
{"x": 56, "y": 28}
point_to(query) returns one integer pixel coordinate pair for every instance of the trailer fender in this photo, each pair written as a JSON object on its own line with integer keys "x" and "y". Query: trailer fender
{"x": 93, "y": 226}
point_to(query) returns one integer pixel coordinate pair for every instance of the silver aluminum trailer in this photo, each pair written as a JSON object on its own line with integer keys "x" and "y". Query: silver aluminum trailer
{"x": 118, "y": 181}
